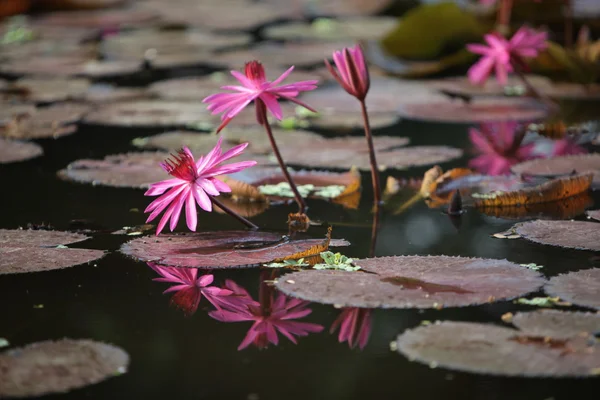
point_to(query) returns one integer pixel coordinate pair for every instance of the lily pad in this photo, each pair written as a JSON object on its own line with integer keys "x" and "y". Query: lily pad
{"x": 339, "y": 121}
{"x": 231, "y": 249}
{"x": 557, "y": 324}
{"x": 357, "y": 28}
{"x": 58, "y": 367}
{"x": 149, "y": 113}
{"x": 15, "y": 151}
{"x": 104, "y": 93}
{"x": 39, "y": 250}
{"x": 461, "y": 85}
{"x": 579, "y": 235}
{"x": 346, "y": 7}
{"x": 47, "y": 122}
{"x": 62, "y": 66}
{"x": 563, "y": 165}
{"x": 341, "y": 156}
{"x": 594, "y": 214}
{"x": 579, "y": 287}
{"x": 414, "y": 282}
{"x": 494, "y": 350}
{"x": 477, "y": 110}
{"x": 105, "y": 19}
{"x": 46, "y": 90}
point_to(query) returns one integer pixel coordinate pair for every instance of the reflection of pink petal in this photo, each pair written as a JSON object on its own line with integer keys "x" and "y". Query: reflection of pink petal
{"x": 565, "y": 147}
{"x": 355, "y": 326}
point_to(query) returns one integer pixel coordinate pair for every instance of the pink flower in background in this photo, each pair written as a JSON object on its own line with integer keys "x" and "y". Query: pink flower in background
{"x": 189, "y": 288}
{"x": 255, "y": 87}
{"x": 502, "y": 55}
{"x": 355, "y": 326}
{"x": 499, "y": 146}
{"x": 565, "y": 147}
{"x": 277, "y": 316}
{"x": 352, "y": 72}
{"x": 193, "y": 182}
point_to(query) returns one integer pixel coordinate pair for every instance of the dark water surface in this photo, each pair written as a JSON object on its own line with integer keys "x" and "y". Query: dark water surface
{"x": 115, "y": 300}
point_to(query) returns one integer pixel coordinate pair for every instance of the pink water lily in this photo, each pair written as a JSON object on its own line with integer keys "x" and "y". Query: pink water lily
{"x": 355, "y": 326}
{"x": 277, "y": 314}
{"x": 352, "y": 73}
{"x": 189, "y": 288}
{"x": 499, "y": 146}
{"x": 255, "y": 87}
{"x": 503, "y": 55}
{"x": 194, "y": 182}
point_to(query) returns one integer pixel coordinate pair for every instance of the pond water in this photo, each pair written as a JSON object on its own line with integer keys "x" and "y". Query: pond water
{"x": 115, "y": 299}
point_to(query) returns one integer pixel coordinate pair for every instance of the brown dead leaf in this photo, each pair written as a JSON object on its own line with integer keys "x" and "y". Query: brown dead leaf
{"x": 311, "y": 256}
{"x": 350, "y": 197}
{"x": 298, "y": 222}
{"x": 434, "y": 199}
{"x": 430, "y": 176}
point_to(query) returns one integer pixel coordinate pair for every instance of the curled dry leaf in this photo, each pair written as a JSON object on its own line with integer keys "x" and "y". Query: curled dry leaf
{"x": 312, "y": 255}
{"x": 579, "y": 235}
{"x": 232, "y": 249}
{"x": 58, "y": 367}
{"x": 495, "y": 350}
{"x": 15, "y": 151}
{"x": 246, "y": 209}
{"x": 414, "y": 282}
{"x": 564, "y": 209}
{"x": 551, "y": 191}
{"x": 557, "y": 324}
{"x": 242, "y": 191}
{"x": 298, "y": 222}
{"x": 563, "y": 165}
{"x": 40, "y": 250}
{"x": 579, "y": 287}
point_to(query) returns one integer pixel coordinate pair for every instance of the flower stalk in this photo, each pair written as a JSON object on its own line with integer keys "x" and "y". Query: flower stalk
{"x": 235, "y": 215}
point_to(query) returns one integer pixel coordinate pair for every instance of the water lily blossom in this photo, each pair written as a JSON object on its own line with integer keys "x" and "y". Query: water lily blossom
{"x": 255, "y": 87}
{"x": 355, "y": 326}
{"x": 503, "y": 56}
{"x": 193, "y": 182}
{"x": 352, "y": 73}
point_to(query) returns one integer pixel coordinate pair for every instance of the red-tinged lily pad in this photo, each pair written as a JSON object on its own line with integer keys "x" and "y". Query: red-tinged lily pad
{"x": 128, "y": 170}
{"x": 557, "y": 324}
{"x": 594, "y": 214}
{"x": 495, "y": 350}
{"x": 46, "y": 90}
{"x": 62, "y": 66}
{"x": 15, "y": 151}
{"x": 107, "y": 19}
{"x": 487, "y": 109}
{"x": 58, "y": 367}
{"x": 149, "y": 113}
{"x": 341, "y": 156}
{"x": 281, "y": 55}
{"x": 357, "y": 28}
{"x": 580, "y": 287}
{"x": 414, "y": 282}
{"x": 563, "y": 165}
{"x": 39, "y": 250}
{"x": 579, "y": 235}
{"x": 134, "y": 45}
{"x": 232, "y": 249}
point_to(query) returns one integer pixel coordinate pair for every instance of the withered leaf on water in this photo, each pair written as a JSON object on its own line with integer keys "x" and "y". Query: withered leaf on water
{"x": 58, "y": 367}
{"x": 231, "y": 249}
{"x": 15, "y": 151}
{"x": 557, "y": 324}
{"x": 414, "y": 282}
{"x": 563, "y": 165}
{"x": 312, "y": 255}
{"x": 579, "y": 287}
{"x": 579, "y": 235}
{"x": 495, "y": 350}
{"x": 24, "y": 251}
{"x": 478, "y": 110}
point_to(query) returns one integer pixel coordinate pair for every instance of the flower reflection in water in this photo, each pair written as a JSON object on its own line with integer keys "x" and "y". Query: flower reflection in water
{"x": 355, "y": 326}
{"x": 189, "y": 289}
{"x": 274, "y": 314}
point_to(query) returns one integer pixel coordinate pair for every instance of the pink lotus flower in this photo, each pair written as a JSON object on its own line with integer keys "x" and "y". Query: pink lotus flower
{"x": 352, "y": 72}
{"x": 277, "y": 314}
{"x": 355, "y": 326}
{"x": 500, "y": 147}
{"x": 189, "y": 288}
{"x": 503, "y": 55}
{"x": 567, "y": 146}
{"x": 193, "y": 182}
{"x": 255, "y": 87}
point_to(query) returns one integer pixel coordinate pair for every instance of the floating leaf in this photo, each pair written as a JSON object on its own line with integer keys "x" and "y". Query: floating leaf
{"x": 347, "y": 7}
{"x": 15, "y": 151}
{"x": 4, "y": 343}
{"x": 243, "y": 207}
{"x": 570, "y": 234}
{"x": 46, "y": 90}
{"x": 336, "y": 261}
{"x": 68, "y": 65}
{"x": 105, "y": 93}
{"x": 99, "y": 19}
{"x": 489, "y": 349}
{"x": 462, "y": 86}
{"x": 564, "y": 209}
{"x": 58, "y": 367}
{"x": 557, "y": 324}
{"x": 346, "y": 121}
{"x": 414, "y": 282}
{"x": 242, "y": 191}
{"x": 232, "y": 249}
{"x": 579, "y": 287}
{"x": 38, "y": 250}
{"x": 563, "y": 165}
{"x": 312, "y": 255}
{"x": 489, "y": 109}
{"x": 554, "y": 190}
{"x": 594, "y": 214}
